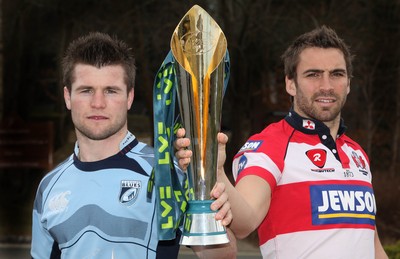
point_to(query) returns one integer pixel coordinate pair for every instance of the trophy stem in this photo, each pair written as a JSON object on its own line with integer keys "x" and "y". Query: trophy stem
{"x": 200, "y": 227}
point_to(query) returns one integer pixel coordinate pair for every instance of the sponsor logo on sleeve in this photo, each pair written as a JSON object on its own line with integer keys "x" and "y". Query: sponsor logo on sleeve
{"x": 250, "y": 146}
{"x": 242, "y": 163}
{"x": 129, "y": 191}
{"x": 342, "y": 204}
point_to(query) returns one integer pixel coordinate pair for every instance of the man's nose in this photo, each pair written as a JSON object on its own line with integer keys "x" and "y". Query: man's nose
{"x": 98, "y": 100}
{"x": 326, "y": 82}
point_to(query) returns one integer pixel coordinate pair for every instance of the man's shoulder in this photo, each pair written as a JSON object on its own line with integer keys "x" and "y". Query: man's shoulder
{"x": 274, "y": 131}
{"x": 271, "y": 139}
{"x": 51, "y": 177}
{"x": 351, "y": 142}
{"x": 141, "y": 148}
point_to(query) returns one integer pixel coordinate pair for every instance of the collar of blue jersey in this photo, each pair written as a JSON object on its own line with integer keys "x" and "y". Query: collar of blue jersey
{"x": 125, "y": 145}
{"x": 297, "y": 122}
{"x": 129, "y": 137}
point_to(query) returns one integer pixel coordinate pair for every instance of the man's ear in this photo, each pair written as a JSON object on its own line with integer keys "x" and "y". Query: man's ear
{"x": 348, "y": 87}
{"x": 67, "y": 98}
{"x": 290, "y": 86}
{"x": 131, "y": 97}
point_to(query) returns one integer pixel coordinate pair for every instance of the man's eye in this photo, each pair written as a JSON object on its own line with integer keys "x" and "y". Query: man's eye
{"x": 313, "y": 75}
{"x": 338, "y": 74}
{"x": 110, "y": 91}
{"x": 86, "y": 91}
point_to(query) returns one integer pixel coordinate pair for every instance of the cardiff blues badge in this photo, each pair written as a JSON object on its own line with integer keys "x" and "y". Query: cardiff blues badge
{"x": 129, "y": 191}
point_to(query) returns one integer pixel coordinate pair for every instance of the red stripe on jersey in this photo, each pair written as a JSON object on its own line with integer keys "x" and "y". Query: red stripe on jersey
{"x": 258, "y": 171}
{"x": 291, "y": 210}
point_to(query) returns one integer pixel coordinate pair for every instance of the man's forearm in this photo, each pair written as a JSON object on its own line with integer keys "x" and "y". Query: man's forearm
{"x": 242, "y": 222}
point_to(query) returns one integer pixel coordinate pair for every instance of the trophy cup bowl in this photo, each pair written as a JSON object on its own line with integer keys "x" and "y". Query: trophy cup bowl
{"x": 199, "y": 47}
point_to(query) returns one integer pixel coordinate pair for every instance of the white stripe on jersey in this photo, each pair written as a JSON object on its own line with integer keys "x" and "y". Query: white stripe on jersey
{"x": 257, "y": 159}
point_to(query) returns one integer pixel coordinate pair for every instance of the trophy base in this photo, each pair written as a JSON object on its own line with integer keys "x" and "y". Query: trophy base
{"x": 200, "y": 227}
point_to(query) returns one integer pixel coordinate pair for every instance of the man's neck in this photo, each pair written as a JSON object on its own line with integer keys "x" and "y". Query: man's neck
{"x": 96, "y": 150}
{"x": 333, "y": 127}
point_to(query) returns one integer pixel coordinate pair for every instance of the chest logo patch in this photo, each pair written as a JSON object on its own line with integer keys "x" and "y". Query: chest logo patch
{"x": 342, "y": 204}
{"x": 317, "y": 157}
{"x": 129, "y": 191}
{"x": 360, "y": 163}
{"x": 308, "y": 124}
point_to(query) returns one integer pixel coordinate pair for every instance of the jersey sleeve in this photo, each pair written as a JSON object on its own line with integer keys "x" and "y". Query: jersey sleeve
{"x": 263, "y": 155}
{"x": 43, "y": 245}
{"x": 258, "y": 164}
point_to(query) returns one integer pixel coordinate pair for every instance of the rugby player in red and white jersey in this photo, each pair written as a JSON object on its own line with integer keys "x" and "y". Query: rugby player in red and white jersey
{"x": 301, "y": 182}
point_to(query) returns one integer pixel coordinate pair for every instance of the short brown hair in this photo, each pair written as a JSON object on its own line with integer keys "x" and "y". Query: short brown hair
{"x": 322, "y": 37}
{"x": 98, "y": 49}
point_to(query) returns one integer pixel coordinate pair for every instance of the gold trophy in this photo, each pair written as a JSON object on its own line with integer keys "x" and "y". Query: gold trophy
{"x": 199, "y": 47}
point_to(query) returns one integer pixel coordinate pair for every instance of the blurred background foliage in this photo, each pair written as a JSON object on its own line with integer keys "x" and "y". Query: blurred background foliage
{"x": 34, "y": 34}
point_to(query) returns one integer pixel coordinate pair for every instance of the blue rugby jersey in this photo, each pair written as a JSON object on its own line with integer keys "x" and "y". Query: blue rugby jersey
{"x": 97, "y": 209}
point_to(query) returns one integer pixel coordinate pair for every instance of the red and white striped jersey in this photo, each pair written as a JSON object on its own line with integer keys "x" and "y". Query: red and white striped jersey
{"x": 322, "y": 203}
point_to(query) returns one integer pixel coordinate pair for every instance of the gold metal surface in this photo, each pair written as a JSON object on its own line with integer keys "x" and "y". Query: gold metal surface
{"x": 199, "y": 46}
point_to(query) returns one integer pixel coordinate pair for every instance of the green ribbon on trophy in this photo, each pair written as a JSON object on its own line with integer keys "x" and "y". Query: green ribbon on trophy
{"x": 172, "y": 193}
{"x": 172, "y": 196}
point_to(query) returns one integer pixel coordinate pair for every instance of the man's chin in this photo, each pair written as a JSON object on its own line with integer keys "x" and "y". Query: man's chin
{"x": 95, "y": 135}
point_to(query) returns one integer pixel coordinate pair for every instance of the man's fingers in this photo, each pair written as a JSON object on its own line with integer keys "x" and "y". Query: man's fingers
{"x": 181, "y": 143}
{"x": 183, "y": 157}
{"x": 222, "y": 138}
{"x": 221, "y": 204}
{"x": 180, "y": 133}
{"x": 224, "y": 209}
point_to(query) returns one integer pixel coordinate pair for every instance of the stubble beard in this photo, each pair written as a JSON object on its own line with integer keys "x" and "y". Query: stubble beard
{"x": 91, "y": 134}
{"x": 323, "y": 114}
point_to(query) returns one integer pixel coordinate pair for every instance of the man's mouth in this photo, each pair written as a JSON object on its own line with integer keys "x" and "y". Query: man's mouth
{"x": 97, "y": 117}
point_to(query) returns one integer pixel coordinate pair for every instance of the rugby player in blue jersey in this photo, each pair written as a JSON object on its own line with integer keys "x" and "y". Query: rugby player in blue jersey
{"x": 94, "y": 204}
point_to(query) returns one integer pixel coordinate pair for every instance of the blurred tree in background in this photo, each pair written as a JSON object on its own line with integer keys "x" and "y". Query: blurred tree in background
{"x": 36, "y": 32}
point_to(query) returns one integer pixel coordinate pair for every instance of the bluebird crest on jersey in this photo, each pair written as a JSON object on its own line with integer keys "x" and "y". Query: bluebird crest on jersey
{"x": 250, "y": 146}
{"x": 129, "y": 191}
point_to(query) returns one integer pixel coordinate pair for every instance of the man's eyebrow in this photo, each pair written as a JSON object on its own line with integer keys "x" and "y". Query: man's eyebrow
{"x": 109, "y": 87}
{"x": 80, "y": 87}
{"x": 115, "y": 87}
{"x": 338, "y": 70}
{"x": 313, "y": 71}
{"x": 321, "y": 70}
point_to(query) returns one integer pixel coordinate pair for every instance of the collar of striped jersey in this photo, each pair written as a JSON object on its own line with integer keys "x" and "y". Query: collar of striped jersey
{"x": 311, "y": 126}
